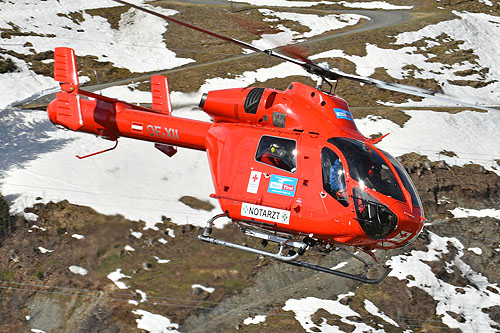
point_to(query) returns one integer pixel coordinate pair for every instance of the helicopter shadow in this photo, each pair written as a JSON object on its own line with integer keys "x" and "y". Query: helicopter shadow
{"x": 24, "y": 135}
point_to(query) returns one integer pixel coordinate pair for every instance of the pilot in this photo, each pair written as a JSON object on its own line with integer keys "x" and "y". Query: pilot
{"x": 337, "y": 179}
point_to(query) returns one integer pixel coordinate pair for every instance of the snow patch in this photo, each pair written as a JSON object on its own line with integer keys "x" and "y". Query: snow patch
{"x": 49, "y": 26}
{"x": 143, "y": 295}
{"x": 305, "y": 308}
{"x": 34, "y": 226}
{"x": 287, "y": 3}
{"x": 340, "y": 265}
{"x": 171, "y": 232}
{"x": 474, "y": 31}
{"x": 460, "y": 212}
{"x": 373, "y": 5}
{"x": 442, "y": 129}
{"x": 136, "y": 234}
{"x": 78, "y": 270}
{"x": 468, "y": 304}
{"x": 476, "y": 250}
{"x": 116, "y": 276}
{"x": 77, "y": 236}
{"x": 110, "y": 183}
{"x": 316, "y": 24}
{"x": 44, "y": 250}
{"x": 154, "y": 323}
{"x": 31, "y": 217}
{"x": 374, "y": 310}
{"x": 207, "y": 289}
{"x": 284, "y": 3}
{"x": 282, "y": 70}
{"x": 255, "y": 320}
{"x": 161, "y": 261}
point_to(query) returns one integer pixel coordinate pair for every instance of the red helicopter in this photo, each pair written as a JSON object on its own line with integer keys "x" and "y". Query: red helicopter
{"x": 288, "y": 167}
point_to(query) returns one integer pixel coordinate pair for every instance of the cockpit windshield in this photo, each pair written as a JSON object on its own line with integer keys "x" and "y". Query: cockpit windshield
{"x": 405, "y": 178}
{"x": 368, "y": 168}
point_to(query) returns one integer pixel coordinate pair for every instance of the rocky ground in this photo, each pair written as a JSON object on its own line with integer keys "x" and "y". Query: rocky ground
{"x": 36, "y": 283}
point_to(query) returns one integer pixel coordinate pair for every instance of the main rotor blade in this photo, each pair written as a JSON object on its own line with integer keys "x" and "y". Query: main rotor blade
{"x": 409, "y": 90}
{"x": 306, "y": 63}
{"x": 214, "y": 34}
{"x": 168, "y": 18}
{"x": 314, "y": 68}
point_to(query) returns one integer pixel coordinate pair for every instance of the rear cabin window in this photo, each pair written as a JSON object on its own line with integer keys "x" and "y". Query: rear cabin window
{"x": 278, "y": 152}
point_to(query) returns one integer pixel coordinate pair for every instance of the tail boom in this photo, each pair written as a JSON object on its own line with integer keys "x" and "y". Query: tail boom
{"x": 84, "y": 111}
{"x": 115, "y": 119}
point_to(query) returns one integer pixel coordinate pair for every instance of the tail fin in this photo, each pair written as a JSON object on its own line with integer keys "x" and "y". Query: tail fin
{"x": 65, "y": 66}
{"x": 161, "y": 94}
{"x": 66, "y": 109}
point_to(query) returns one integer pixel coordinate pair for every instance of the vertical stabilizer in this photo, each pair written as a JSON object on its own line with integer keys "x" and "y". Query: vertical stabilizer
{"x": 161, "y": 94}
{"x": 65, "y": 66}
{"x": 66, "y": 108}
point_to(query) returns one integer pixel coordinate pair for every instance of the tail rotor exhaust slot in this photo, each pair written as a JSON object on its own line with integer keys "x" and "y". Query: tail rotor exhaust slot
{"x": 203, "y": 100}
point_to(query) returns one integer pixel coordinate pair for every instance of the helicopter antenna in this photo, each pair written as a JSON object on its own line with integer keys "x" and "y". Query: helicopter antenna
{"x": 324, "y": 72}
{"x": 319, "y": 84}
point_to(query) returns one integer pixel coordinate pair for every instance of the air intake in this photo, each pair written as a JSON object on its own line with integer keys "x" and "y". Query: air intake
{"x": 253, "y": 99}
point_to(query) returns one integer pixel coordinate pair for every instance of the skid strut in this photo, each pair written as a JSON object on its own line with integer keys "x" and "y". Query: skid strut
{"x": 283, "y": 242}
{"x": 292, "y": 256}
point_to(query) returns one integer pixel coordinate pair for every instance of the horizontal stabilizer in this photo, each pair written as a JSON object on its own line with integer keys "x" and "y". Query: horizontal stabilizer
{"x": 65, "y": 66}
{"x": 161, "y": 94}
{"x": 166, "y": 149}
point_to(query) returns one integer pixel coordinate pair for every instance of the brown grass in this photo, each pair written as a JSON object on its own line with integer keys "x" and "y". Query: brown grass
{"x": 102, "y": 251}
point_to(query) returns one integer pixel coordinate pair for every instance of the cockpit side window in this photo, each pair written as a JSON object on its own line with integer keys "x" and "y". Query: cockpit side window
{"x": 334, "y": 176}
{"x": 277, "y": 152}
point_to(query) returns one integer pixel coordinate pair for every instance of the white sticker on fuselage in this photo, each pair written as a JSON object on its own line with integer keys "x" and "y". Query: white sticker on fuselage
{"x": 254, "y": 182}
{"x": 265, "y": 213}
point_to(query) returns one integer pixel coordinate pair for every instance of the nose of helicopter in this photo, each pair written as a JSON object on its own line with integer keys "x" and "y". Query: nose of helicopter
{"x": 409, "y": 226}
{"x": 389, "y": 223}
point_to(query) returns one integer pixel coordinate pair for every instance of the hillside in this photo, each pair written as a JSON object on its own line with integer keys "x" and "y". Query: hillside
{"x": 168, "y": 272}
{"x": 109, "y": 243}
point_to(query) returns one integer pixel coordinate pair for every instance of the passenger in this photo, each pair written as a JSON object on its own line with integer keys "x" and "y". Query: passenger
{"x": 273, "y": 155}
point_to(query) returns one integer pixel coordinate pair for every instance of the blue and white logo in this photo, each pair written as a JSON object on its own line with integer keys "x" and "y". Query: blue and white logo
{"x": 282, "y": 185}
{"x": 343, "y": 114}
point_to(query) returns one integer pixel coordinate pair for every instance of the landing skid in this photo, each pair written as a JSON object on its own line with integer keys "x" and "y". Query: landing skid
{"x": 291, "y": 257}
